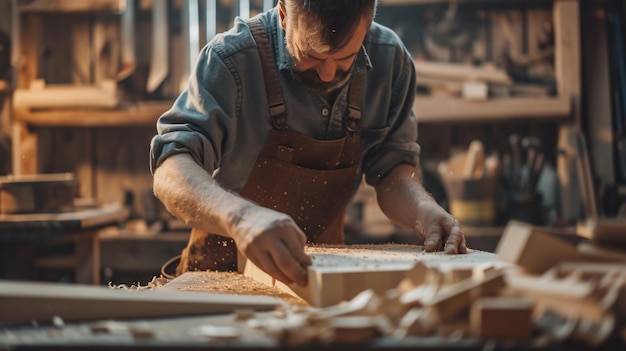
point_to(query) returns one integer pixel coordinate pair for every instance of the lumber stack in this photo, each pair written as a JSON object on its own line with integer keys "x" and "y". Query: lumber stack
{"x": 540, "y": 291}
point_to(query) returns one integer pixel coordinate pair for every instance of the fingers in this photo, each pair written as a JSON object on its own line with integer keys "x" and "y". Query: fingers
{"x": 282, "y": 255}
{"x": 292, "y": 264}
{"x": 296, "y": 248}
{"x": 265, "y": 262}
{"x": 280, "y": 264}
{"x": 445, "y": 231}
{"x": 456, "y": 241}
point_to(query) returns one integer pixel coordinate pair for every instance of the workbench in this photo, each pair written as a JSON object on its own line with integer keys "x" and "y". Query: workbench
{"x": 193, "y": 332}
{"x": 217, "y": 331}
{"x": 80, "y": 227}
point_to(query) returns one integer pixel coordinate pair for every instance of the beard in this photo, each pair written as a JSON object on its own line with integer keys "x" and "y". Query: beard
{"x": 311, "y": 80}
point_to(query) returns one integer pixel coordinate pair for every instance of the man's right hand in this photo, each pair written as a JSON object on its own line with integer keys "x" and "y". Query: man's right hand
{"x": 274, "y": 242}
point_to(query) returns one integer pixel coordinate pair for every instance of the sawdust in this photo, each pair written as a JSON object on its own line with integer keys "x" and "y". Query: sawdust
{"x": 377, "y": 256}
{"x": 227, "y": 283}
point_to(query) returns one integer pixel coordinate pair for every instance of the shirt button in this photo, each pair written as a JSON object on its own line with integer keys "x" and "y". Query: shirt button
{"x": 325, "y": 112}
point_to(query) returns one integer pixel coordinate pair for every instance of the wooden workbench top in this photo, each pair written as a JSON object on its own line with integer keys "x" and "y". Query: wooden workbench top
{"x": 227, "y": 283}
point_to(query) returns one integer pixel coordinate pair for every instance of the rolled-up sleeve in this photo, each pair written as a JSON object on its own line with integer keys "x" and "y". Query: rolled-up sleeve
{"x": 198, "y": 123}
{"x": 398, "y": 144}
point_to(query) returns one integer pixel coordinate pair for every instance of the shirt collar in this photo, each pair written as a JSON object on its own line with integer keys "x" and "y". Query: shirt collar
{"x": 361, "y": 64}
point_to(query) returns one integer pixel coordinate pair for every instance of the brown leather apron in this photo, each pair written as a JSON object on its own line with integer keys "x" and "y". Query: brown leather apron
{"x": 310, "y": 180}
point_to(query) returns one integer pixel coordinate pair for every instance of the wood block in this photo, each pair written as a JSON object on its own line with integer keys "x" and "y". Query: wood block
{"x": 475, "y": 91}
{"x": 603, "y": 231}
{"x": 453, "y": 300}
{"x": 532, "y": 249}
{"x": 601, "y": 253}
{"x": 67, "y": 96}
{"x": 501, "y": 318}
{"x": 339, "y": 273}
{"x": 23, "y": 302}
{"x": 37, "y": 193}
{"x": 568, "y": 297}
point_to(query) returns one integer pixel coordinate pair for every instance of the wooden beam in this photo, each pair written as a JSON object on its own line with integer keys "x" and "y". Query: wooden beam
{"x": 57, "y": 6}
{"x": 339, "y": 273}
{"x": 532, "y": 249}
{"x": 447, "y": 109}
{"x": 25, "y": 302}
{"x": 145, "y": 113}
{"x": 67, "y": 96}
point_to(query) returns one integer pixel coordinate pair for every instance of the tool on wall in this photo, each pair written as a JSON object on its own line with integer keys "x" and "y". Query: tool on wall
{"x": 159, "y": 60}
{"x": 191, "y": 39}
{"x": 129, "y": 61}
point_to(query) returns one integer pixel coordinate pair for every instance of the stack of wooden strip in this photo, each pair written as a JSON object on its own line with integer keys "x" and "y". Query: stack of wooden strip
{"x": 540, "y": 291}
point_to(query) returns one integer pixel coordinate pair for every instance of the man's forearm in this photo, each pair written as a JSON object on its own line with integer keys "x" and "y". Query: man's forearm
{"x": 193, "y": 196}
{"x": 399, "y": 195}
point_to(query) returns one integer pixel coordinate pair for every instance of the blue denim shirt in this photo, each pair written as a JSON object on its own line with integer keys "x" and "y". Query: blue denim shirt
{"x": 222, "y": 117}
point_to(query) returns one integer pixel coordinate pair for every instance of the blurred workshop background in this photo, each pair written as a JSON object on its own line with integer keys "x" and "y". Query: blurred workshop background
{"x": 521, "y": 107}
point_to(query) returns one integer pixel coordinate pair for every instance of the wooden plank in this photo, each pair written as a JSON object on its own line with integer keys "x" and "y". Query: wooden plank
{"x": 37, "y": 193}
{"x": 77, "y": 220}
{"x": 68, "y": 96}
{"x": 567, "y": 51}
{"x": 461, "y": 73}
{"x": 604, "y": 231}
{"x": 339, "y": 273}
{"x": 533, "y": 249}
{"x": 24, "y": 302}
{"x": 226, "y": 283}
{"x": 445, "y": 109}
{"x": 487, "y": 315}
{"x": 64, "y": 6}
{"x": 144, "y": 113}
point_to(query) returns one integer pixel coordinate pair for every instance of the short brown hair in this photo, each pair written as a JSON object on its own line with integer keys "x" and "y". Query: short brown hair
{"x": 334, "y": 20}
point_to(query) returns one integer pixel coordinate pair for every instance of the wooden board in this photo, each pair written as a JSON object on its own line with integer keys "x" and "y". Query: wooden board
{"x": 603, "y": 231}
{"x": 37, "y": 193}
{"x": 227, "y": 283}
{"x": 29, "y": 226}
{"x": 339, "y": 273}
{"x": 533, "y": 249}
{"x": 23, "y": 302}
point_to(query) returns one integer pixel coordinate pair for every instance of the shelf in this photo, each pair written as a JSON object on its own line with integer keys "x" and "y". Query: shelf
{"x": 447, "y": 109}
{"x": 143, "y": 113}
{"x": 65, "y": 6}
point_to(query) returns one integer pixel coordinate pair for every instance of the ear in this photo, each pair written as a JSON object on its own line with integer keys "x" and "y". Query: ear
{"x": 282, "y": 15}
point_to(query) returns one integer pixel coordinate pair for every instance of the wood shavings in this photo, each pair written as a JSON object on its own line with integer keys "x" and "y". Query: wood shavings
{"x": 155, "y": 283}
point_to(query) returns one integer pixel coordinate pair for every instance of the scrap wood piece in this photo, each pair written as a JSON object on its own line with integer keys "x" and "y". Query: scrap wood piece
{"x": 40, "y": 96}
{"x": 534, "y": 249}
{"x": 451, "y": 301}
{"x": 603, "y": 231}
{"x": 339, "y": 273}
{"x": 609, "y": 279}
{"x": 601, "y": 252}
{"x": 23, "y": 302}
{"x": 501, "y": 318}
{"x": 461, "y": 72}
{"x": 567, "y": 297}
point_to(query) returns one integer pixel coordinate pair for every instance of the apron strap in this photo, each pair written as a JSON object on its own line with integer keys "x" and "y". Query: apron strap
{"x": 354, "y": 104}
{"x": 272, "y": 86}
{"x": 270, "y": 75}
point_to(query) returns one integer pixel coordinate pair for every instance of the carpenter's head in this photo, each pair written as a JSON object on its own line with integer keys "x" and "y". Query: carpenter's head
{"x": 324, "y": 37}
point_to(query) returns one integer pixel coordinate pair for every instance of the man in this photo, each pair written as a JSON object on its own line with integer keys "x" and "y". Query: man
{"x": 282, "y": 116}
